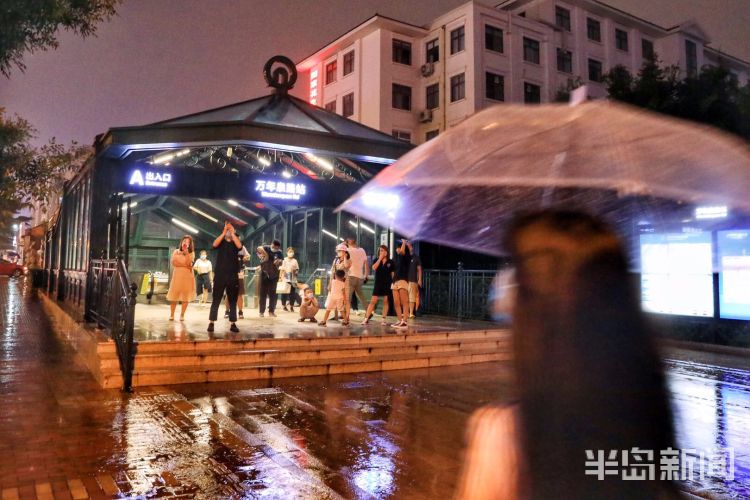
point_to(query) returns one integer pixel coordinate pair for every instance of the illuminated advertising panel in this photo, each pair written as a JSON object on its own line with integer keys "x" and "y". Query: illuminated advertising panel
{"x": 734, "y": 275}
{"x": 676, "y": 273}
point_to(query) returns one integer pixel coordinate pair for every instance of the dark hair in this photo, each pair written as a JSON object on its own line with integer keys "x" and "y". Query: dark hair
{"x": 190, "y": 246}
{"x": 588, "y": 373}
{"x": 340, "y": 273}
{"x": 276, "y": 243}
{"x": 383, "y": 247}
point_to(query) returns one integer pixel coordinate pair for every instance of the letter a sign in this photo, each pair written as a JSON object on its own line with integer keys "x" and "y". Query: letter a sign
{"x": 136, "y": 178}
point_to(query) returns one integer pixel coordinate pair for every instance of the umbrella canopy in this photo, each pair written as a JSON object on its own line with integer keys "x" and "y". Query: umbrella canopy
{"x": 609, "y": 158}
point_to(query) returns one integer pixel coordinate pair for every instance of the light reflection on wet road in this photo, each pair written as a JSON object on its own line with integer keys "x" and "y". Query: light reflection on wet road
{"x": 382, "y": 435}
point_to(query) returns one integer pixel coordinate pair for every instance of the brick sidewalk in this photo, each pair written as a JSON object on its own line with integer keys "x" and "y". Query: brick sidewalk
{"x": 63, "y": 437}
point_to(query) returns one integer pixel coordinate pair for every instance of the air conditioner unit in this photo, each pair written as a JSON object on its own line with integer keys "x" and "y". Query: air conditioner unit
{"x": 425, "y": 116}
{"x": 427, "y": 69}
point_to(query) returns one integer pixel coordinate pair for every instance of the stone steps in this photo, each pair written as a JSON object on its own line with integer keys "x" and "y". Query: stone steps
{"x": 160, "y": 363}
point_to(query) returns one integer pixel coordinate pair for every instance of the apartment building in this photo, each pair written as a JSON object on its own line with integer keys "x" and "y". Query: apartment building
{"x": 416, "y": 81}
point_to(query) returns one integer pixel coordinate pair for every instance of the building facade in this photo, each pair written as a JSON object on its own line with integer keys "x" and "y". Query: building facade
{"x": 415, "y": 81}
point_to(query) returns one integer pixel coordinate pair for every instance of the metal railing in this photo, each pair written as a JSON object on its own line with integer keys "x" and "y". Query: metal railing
{"x": 460, "y": 293}
{"x": 111, "y": 304}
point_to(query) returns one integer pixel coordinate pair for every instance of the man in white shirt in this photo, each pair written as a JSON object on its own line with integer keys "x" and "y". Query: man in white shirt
{"x": 203, "y": 269}
{"x": 358, "y": 272}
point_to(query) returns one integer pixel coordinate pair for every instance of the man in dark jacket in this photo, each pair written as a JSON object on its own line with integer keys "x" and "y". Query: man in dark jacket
{"x": 271, "y": 259}
{"x": 227, "y": 246}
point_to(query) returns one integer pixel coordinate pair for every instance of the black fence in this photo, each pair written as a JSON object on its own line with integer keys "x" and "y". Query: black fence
{"x": 460, "y": 293}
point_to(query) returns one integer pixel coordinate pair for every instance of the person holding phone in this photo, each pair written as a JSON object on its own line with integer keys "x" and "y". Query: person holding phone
{"x": 182, "y": 286}
{"x": 383, "y": 268}
{"x": 227, "y": 246}
{"x": 400, "y": 285}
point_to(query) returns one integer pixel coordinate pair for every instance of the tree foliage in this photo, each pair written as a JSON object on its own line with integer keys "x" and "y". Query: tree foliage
{"x": 31, "y": 25}
{"x": 712, "y": 96}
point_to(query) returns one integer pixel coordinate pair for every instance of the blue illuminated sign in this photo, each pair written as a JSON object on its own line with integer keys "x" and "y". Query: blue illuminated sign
{"x": 150, "y": 178}
{"x": 280, "y": 190}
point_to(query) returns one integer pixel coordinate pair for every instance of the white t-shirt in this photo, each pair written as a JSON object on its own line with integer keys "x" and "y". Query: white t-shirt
{"x": 358, "y": 258}
{"x": 203, "y": 266}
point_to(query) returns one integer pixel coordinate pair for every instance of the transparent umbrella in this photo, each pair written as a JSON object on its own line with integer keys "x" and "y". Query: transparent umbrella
{"x": 612, "y": 159}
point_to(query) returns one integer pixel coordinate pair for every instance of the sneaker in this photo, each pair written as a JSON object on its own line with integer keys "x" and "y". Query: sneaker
{"x": 240, "y": 315}
{"x": 226, "y": 314}
{"x": 301, "y": 320}
{"x": 273, "y": 315}
{"x": 210, "y": 328}
{"x": 284, "y": 308}
{"x": 234, "y": 328}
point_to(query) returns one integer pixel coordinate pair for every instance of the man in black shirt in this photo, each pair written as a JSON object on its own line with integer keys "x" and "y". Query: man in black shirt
{"x": 227, "y": 246}
{"x": 271, "y": 259}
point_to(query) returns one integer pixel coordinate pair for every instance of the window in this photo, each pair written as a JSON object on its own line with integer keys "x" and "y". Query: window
{"x": 432, "y": 54}
{"x": 433, "y": 96}
{"x": 331, "y": 106}
{"x": 532, "y": 94}
{"x": 647, "y": 48}
{"x": 621, "y": 39}
{"x": 458, "y": 87}
{"x": 348, "y": 62}
{"x": 431, "y": 134}
{"x": 593, "y": 29}
{"x": 493, "y": 39}
{"x": 494, "y": 86}
{"x": 330, "y": 72}
{"x": 564, "y": 61}
{"x": 402, "y": 135}
{"x": 595, "y": 70}
{"x": 457, "y": 40}
{"x": 691, "y": 57}
{"x": 401, "y": 97}
{"x": 347, "y": 105}
{"x": 530, "y": 50}
{"x": 401, "y": 52}
{"x": 562, "y": 18}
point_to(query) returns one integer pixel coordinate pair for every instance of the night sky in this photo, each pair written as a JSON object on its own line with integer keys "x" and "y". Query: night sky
{"x": 163, "y": 58}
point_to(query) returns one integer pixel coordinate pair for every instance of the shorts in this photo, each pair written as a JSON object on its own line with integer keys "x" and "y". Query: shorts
{"x": 335, "y": 304}
{"x": 400, "y": 285}
{"x": 203, "y": 281}
{"x": 413, "y": 291}
{"x": 241, "y": 284}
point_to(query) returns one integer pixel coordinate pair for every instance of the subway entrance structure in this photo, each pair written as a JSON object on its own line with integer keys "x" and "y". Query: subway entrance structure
{"x": 275, "y": 166}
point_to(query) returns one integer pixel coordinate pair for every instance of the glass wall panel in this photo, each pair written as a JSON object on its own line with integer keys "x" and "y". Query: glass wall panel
{"x": 312, "y": 239}
{"x": 330, "y": 236}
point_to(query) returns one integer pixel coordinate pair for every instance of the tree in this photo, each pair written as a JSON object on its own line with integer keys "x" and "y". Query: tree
{"x": 31, "y": 25}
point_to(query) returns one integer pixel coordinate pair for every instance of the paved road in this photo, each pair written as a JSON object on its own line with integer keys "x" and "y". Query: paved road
{"x": 383, "y": 435}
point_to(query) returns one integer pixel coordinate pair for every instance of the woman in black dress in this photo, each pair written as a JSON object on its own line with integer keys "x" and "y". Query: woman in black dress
{"x": 383, "y": 268}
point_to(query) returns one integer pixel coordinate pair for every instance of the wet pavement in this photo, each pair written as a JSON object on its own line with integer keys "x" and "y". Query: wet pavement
{"x": 152, "y": 324}
{"x": 377, "y": 435}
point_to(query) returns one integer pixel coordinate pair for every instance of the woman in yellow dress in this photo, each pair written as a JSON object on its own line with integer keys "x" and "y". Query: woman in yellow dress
{"x": 182, "y": 286}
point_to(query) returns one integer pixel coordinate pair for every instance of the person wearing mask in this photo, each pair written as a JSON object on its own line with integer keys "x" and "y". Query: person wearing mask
{"x": 203, "y": 269}
{"x": 415, "y": 280}
{"x": 289, "y": 273}
{"x": 309, "y": 306}
{"x": 244, "y": 256}
{"x": 383, "y": 268}
{"x": 227, "y": 246}
{"x": 358, "y": 272}
{"x": 270, "y": 262}
{"x": 587, "y": 371}
{"x": 182, "y": 286}
{"x": 400, "y": 285}
{"x": 342, "y": 262}
{"x": 336, "y": 295}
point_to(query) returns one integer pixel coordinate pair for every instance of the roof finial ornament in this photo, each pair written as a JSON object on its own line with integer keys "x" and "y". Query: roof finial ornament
{"x": 282, "y": 78}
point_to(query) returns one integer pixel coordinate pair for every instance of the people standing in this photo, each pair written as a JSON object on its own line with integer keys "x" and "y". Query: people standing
{"x": 358, "y": 272}
{"x": 227, "y": 246}
{"x": 400, "y": 285}
{"x": 383, "y": 268}
{"x": 243, "y": 256}
{"x": 182, "y": 286}
{"x": 309, "y": 306}
{"x": 203, "y": 268}
{"x": 342, "y": 262}
{"x": 337, "y": 295}
{"x": 289, "y": 273}
{"x": 415, "y": 280}
{"x": 270, "y": 262}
